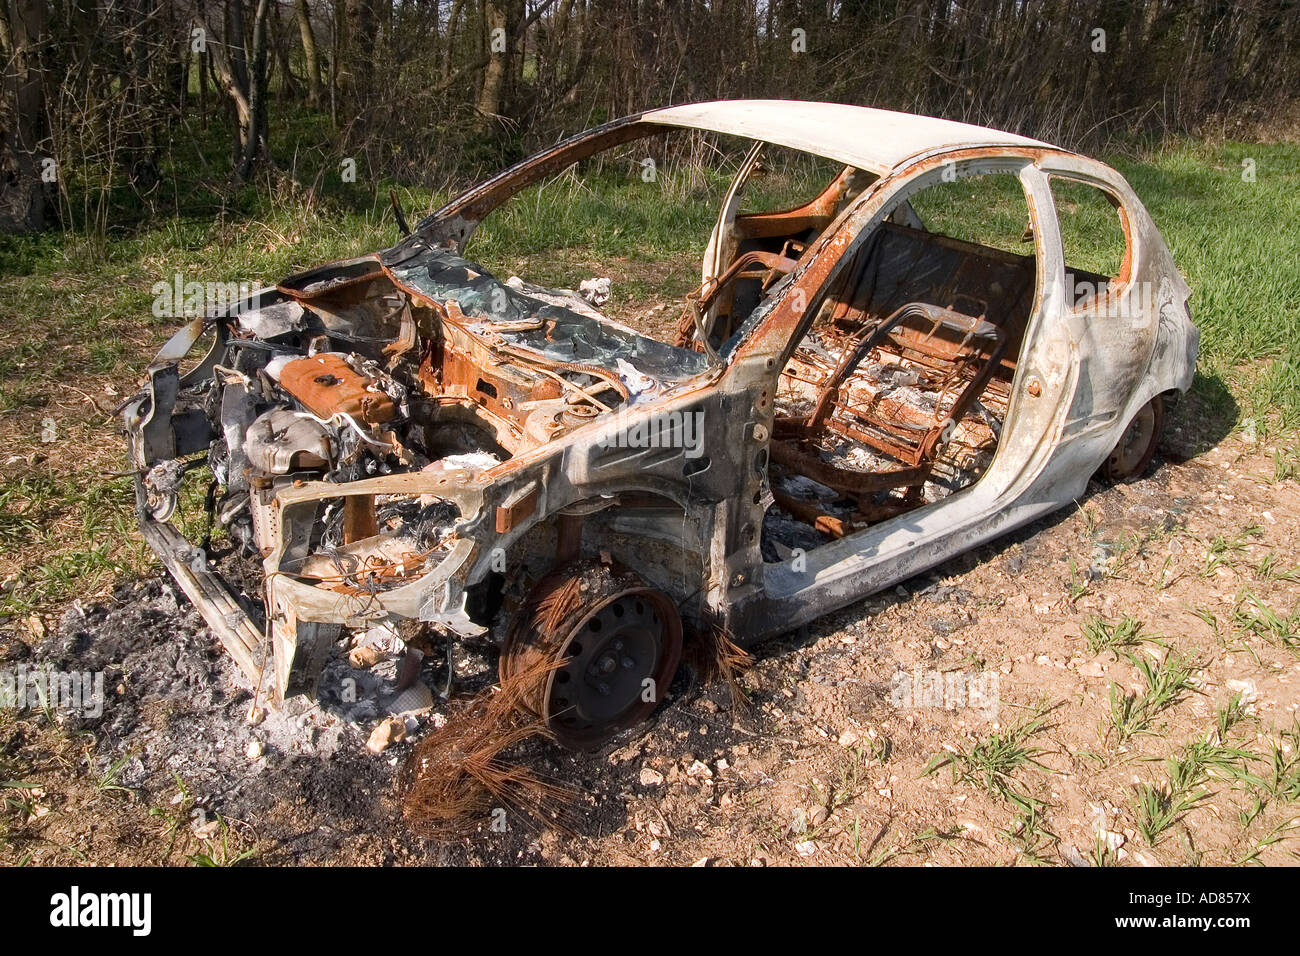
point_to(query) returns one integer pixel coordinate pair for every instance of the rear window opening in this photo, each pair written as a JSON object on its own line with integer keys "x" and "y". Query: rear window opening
{"x": 1093, "y": 239}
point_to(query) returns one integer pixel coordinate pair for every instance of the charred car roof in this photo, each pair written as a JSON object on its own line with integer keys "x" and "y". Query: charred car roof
{"x": 860, "y": 136}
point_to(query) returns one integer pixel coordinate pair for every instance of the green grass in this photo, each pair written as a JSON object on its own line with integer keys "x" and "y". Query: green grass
{"x": 992, "y": 764}
{"x": 1252, "y": 616}
{"x": 108, "y": 779}
{"x": 1102, "y": 636}
{"x": 1236, "y": 243}
{"x": 919, "y": 843}
{"x": 222, "y": 849}
{"x": 1158, "y": 806}
{"x": 990, "y": 210}
{"x": 1224, "y": 551}
{"x": 1286, "y": 464}
{"x": 78, "y": 529}
{"x": 1269, "y": 782}
{"x": 1166, "y": 683}
{"x": 1269, "y": 569}
{"x": 1283, "y": 781}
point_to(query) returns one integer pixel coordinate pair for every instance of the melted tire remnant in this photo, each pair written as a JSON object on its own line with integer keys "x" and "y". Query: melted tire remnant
{"x": 609, "y": 646}
{"x": 715, "y": 656}
{"x": 455, "y": 779}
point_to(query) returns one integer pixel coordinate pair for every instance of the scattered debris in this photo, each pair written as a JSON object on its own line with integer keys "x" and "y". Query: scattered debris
{"x": 389, "y": 731}
{"x": 649, "y": 777}
{"x": 416, "y": 699}
{"x": 595, "y": 291}
{"x": 365, "y": 656}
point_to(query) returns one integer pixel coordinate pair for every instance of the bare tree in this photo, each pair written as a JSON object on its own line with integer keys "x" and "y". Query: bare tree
{"x": 24, "y": 148}
{"x": 443, "y": 90}
{"x": 311, "y": 60}
{"x": 489, "y": 94}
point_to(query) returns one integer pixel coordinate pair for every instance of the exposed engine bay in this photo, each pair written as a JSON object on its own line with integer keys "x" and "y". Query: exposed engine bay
{"x": 416, "y": 381}
{"x": 357, "y": 379}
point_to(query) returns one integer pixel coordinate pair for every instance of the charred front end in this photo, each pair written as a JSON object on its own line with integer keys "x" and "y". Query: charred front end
{"x": 384, "y": 436}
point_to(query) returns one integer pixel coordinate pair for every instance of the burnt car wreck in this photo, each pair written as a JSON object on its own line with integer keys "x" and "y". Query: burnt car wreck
{"x": 850, "y": 399}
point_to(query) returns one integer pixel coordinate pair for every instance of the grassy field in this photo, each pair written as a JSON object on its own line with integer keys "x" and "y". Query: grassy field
{"x": 77, "y": 326}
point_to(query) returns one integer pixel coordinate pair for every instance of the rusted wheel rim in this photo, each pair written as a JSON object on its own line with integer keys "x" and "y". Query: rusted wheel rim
{"x": 607, "y": 663}
{"x": 1137, "y": 444}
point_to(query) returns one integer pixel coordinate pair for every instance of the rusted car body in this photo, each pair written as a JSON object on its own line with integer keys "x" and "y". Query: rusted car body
{"x": 850, "y": 400}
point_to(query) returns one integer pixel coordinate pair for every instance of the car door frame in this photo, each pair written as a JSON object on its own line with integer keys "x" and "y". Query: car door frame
{"x": 805, "y": 586}
{"x": 723, "y": 241}
{"x": 1117, "y": 332}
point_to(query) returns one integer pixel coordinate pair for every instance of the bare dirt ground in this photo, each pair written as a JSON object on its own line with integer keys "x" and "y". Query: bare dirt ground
{"x": 1169, "y": 739}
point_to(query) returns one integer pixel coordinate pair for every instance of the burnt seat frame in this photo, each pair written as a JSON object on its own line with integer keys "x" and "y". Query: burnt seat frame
{"x": 981, "y": 349}
{"x": 692, "y": 329}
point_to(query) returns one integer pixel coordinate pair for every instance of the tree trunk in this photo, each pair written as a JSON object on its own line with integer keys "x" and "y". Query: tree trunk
{"x": 309, "y": 55}
{"x": 229, "y": 73}
{"x": 25, "y": 199}
{"x": 453, "y": 21}
{"x": 140, "y": 152}
{"x": 356, "y": 62}
{"x": 280, "y": 43}
{"x": 489, "y": 95}
{"x": 255, "y": 142}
